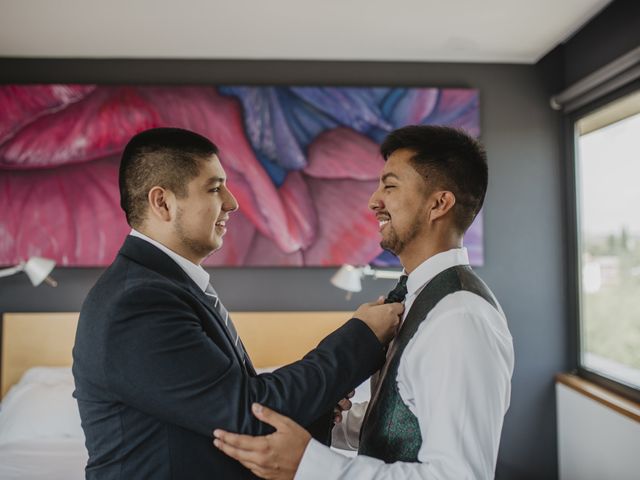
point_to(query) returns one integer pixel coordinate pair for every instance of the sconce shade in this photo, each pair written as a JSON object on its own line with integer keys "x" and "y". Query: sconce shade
{"x": 38, "y": 269}
{"x": 348, "y": 278}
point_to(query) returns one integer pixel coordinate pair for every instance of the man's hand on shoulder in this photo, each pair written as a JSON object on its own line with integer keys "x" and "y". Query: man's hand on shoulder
{"x": 382, "y": 318}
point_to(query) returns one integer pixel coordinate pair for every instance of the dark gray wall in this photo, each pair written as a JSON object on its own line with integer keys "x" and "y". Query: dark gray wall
{"x": 612, "y": 33}
{"x": 523, "y": 220}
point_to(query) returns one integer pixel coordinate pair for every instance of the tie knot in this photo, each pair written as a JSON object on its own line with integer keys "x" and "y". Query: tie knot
{"x": 399, "y": 292}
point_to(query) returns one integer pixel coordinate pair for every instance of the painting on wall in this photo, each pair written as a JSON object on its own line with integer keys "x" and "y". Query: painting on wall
{"x": 302, "y": 162}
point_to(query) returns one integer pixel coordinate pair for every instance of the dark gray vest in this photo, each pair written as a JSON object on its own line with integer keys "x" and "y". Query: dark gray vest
{"x": 390, "y": 431}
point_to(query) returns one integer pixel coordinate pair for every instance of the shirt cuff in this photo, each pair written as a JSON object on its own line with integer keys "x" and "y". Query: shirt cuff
{"x": 346, "y": 434}
{"x": 320, "y": 463}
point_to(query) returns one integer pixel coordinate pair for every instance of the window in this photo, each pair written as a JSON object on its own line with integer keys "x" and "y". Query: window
{"x": 608, "y": 211}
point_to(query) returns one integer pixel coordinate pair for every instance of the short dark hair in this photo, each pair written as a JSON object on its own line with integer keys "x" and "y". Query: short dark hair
{"x": 450, "y": 158}
{"x": 165, "y": 157}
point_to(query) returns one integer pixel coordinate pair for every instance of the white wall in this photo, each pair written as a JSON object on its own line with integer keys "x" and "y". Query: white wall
{"x": 594, "y": 441}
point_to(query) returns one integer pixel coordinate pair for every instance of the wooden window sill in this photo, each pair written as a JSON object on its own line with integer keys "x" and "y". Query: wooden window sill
{"x": 622, "y": 405}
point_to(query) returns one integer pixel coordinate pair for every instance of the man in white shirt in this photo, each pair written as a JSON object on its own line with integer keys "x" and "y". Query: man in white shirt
{"x": 438, "y": 404}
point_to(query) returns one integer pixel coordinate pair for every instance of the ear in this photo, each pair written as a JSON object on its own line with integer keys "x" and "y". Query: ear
{"x": 443, "y": 201}
{"x": 161, "y": 203}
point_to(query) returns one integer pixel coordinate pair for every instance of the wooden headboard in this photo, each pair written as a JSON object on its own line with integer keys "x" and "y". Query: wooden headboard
{"x": 271, "y": 338}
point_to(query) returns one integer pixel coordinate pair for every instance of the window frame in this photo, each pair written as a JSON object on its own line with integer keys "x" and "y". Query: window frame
{"x": 574, "y": 247}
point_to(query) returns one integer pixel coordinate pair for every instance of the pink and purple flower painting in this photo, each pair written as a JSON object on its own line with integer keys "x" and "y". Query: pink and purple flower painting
{"x": 302, "y": 162}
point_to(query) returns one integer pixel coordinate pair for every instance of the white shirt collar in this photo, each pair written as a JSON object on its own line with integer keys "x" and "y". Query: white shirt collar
{"x": 433, "y": 266}
{"x": 195, "y": 272}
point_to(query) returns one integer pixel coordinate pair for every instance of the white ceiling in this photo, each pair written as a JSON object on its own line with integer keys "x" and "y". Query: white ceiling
{"x": 512, "y": 31}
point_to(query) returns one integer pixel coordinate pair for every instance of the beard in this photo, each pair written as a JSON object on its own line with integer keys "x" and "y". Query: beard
{"x": 396, "y": 243}
{"x": 198, "y": 247}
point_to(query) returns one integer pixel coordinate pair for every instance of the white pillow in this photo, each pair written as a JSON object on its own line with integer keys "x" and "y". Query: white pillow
{"x": 267, "y": 369}
{"x": 40, "y": 406}
{"x": 46, "y": 375}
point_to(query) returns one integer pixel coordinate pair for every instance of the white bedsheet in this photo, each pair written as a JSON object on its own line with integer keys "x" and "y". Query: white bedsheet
{"x": 40, "y": 433}
{"x": 43, "y": 459}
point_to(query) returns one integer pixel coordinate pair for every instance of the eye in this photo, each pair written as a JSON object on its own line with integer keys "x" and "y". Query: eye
{"x": 215, "y": 190}
{"x": 387, "y": 187}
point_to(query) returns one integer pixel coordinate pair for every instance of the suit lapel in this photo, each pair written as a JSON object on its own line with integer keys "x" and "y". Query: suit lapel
{"x": 206, "y": 301}
{"x": 146, "y": 254}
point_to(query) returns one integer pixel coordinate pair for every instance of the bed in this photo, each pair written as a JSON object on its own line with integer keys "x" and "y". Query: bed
{"x": 40, "y": 433}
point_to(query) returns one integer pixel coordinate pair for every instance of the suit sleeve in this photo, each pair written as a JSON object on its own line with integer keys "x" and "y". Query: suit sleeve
{"x": 161, "y": 362}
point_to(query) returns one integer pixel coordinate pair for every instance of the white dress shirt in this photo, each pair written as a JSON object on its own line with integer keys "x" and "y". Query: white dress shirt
{"x": 195, "y": 272}
{"x": 454, "y": 376}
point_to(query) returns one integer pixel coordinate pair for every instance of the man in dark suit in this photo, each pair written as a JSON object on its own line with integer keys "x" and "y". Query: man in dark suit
{"x": 158, "y": 364}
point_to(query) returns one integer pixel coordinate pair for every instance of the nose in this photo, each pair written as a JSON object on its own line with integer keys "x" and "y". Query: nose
{"x": 230, "y": 203}
{"x": 375, "y": 203}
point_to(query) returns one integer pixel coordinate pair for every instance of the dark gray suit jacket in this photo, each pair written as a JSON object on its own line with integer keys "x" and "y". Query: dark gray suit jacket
{"x": 156, "y": 373}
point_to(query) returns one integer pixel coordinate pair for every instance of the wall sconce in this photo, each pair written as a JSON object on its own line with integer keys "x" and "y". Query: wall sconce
{"x": 36, "y": 268}
{"x": 349, "y": 278}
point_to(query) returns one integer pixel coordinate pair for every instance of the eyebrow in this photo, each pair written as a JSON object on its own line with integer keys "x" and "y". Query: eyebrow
{"x": 387, "y": 175}
{"x": 215, "y": 180}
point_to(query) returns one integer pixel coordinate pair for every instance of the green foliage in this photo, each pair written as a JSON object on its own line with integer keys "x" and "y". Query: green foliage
{"x": 611, "y": 316}
{"x": 612, "y": 323}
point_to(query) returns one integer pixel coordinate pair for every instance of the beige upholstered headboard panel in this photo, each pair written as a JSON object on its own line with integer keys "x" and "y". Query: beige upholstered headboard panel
{"x": 32, "y": 339}
{"x": 271, "y": 338}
